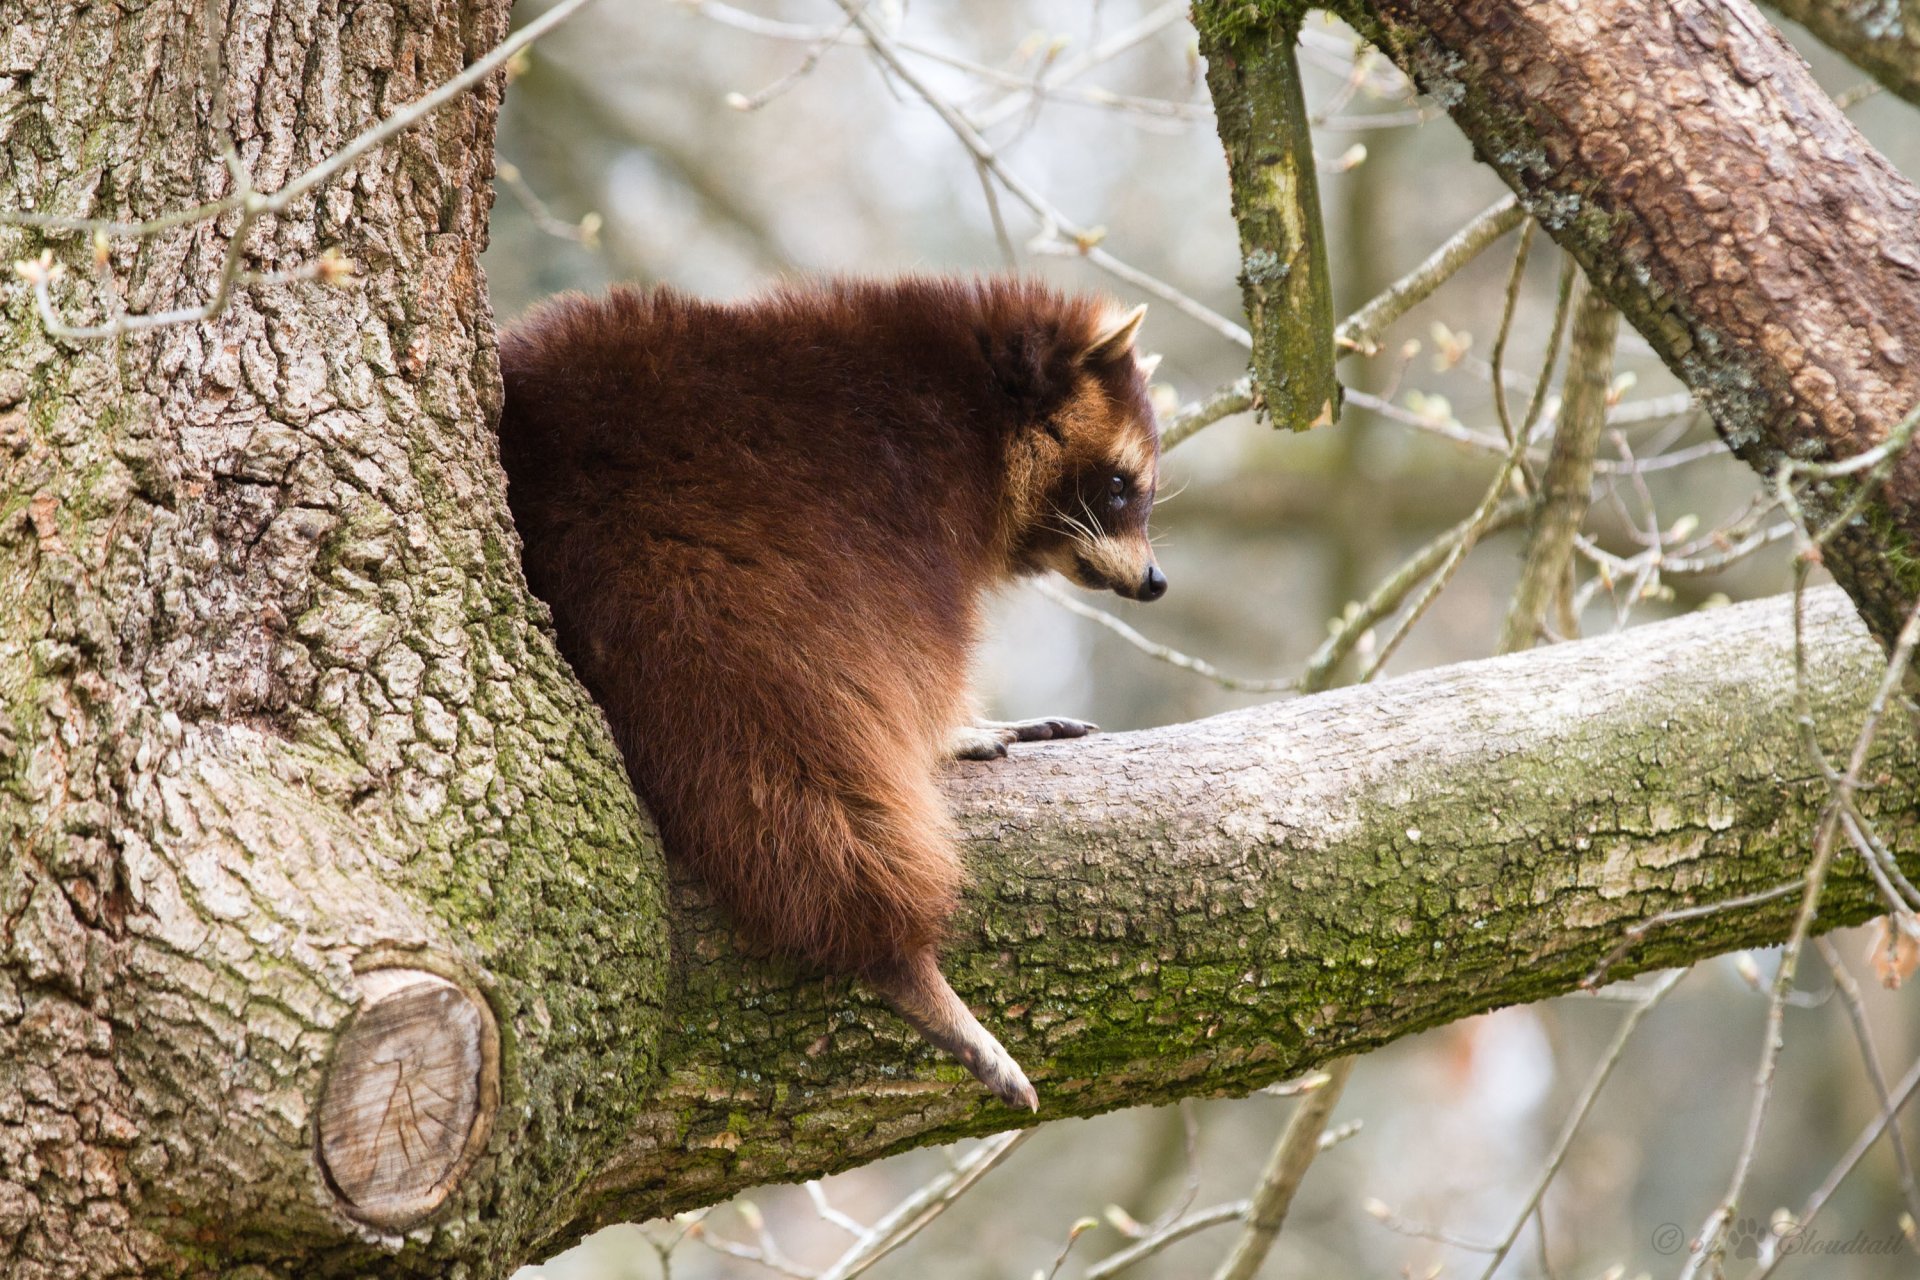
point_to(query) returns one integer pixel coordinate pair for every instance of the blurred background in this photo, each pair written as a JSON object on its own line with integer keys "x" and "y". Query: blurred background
{"x": 719, "y": 148}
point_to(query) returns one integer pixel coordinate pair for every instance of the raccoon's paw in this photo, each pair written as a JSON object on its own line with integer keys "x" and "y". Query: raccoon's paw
{"x": 995, "y": 1068}
{"x": 988, "y": 739}
{"x": 920, "y": 993}
{"x": 1043, "y": 729}
{"x": 973, "y": 742}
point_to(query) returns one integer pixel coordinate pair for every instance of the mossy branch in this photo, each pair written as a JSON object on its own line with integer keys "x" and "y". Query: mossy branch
{"x": 1206, "y": 908}
{"x": 1881, "y": 37}
{"x": 1262, "y": 117}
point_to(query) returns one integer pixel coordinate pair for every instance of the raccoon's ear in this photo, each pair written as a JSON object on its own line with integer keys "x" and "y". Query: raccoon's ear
{"x": 1115, "y": 338}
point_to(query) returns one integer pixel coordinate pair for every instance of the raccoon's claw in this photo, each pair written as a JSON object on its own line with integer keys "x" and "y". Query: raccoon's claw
{"x": 988, "y": 739}
{"x": 1004, "y": 1078}
{"x": 1044, "y": 728}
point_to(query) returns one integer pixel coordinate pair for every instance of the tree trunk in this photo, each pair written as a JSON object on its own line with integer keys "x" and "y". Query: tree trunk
{"x": 332, "y": 941}
{"x": 278, "y": 711}
{"x": 1685, "y": 156}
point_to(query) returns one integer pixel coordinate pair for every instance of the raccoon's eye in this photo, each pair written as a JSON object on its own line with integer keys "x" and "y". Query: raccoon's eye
{"x": 1117, "y": 487}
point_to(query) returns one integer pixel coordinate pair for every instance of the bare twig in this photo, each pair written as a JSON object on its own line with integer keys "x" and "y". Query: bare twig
{"x": 584, "y": 232}
{"x": 1234, "y": 397}
{"x": 1150, "y": 24}
{"x": 1856, "y": 1008}
{"x": 1634, "y": 933}
{"x": 923, "y": 1206}
{"x": 1154, "y": 649}
{"x": 1361, "y": 331}
{"x": 1174, "y": 1232}
{"x": 1901, "y": 1096}
{"x": 1478, "y": 524}
{"x": 1396, "y": 587}
{"x": 1578, "y": 1117}
{"x": 1876, "y": 464}
{"x": 1299, "y": 1144}
{"x": 1059, "y": 234}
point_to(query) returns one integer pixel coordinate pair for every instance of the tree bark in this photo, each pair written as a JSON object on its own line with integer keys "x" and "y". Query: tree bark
{"x": 1881, "y": 37}
{"x": 1685, "y": 156}
{"x": 279, "y": 725}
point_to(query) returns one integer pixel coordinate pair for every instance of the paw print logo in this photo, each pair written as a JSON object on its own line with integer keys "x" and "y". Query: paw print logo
{"x": 1744, "y": 1237}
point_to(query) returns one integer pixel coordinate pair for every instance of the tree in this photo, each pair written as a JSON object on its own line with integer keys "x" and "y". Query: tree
{"x": 332, "y": 940}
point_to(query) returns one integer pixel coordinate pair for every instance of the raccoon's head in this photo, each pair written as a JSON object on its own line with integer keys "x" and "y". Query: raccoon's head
{"x": 1084, "y": 473}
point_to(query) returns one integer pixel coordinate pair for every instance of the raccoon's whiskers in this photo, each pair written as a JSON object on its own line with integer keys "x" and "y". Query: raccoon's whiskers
{"x": 1082, "y": 533}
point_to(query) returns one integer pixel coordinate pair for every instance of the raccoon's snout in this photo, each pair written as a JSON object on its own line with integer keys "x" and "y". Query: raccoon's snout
{"x": 1151, "y": 586}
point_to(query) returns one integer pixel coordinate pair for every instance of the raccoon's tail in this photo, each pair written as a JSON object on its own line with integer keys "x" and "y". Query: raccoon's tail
{"x": 920, "y": 993}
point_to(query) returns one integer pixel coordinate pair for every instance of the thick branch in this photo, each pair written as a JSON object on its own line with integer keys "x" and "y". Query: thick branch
{"x": 1881, "y": 37}
{"x": 1722, "y": 201}
{"x": 1203, "y": 909}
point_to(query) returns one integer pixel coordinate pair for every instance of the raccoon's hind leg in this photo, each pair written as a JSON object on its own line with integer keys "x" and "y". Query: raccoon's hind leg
{"x": 920, "y": 994}
{"x": 988, "y": 739}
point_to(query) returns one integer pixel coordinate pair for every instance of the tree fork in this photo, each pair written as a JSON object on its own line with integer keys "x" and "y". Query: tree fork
{"x": 1717, "y": 196}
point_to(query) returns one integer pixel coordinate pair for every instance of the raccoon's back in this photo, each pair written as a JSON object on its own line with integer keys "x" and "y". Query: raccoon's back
{"x": 778, "y": 665}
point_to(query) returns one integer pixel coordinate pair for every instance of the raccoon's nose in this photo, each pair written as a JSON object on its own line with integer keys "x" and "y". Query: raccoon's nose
{"x": 1154, "y": 585}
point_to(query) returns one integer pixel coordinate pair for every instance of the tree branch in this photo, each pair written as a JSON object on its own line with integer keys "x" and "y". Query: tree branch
{"x": 1261, "y": 114}
{"x": 1207, "y": 908}
{"x": 1881, "y": 37}
{"x": 1717, "y": 196}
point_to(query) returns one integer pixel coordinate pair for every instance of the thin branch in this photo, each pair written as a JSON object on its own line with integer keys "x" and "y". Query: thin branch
{"x": 1171, "y": 1234}
{"x": 1877, "y": 463}
{"x": 1059, "y": 234}
{"x": 1150, "y": 24}
{"x": 1234, "y": 397}
{"x": 585, "y": 232}
{"x": 1634, "y": 933}
{"x": 1397, "y": 586}
{"x": 924, "y": 1205}
{"x": 1481, "y": 519}
{"x": 1361, "y": 331}
{"x": 1154, "y": 649}
{"x": 1901, "y": 1096}
{"x": 1581, "y": 1109}
{"x": 1299, "y": 1144}
{"x": 1856, "y": 1008}
{"x": 1567, "y": 483}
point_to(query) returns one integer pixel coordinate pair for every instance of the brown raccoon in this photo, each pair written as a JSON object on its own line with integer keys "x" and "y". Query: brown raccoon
{"x": 765, "y": 529}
